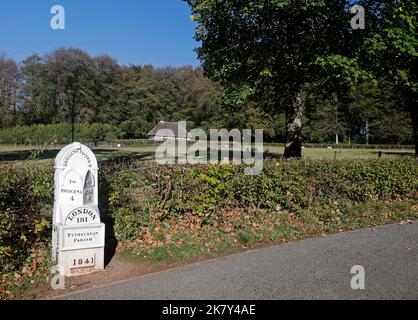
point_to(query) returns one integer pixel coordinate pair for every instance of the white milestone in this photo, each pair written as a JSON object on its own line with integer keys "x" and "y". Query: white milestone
{"x": 78, "y": 234}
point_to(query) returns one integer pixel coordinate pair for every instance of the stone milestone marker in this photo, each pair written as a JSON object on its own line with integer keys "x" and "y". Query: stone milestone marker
{"x": 78, "y": 235}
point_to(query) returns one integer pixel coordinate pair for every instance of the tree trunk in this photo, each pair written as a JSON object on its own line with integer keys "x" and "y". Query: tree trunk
{"x": 73, "y": 117}
{"x": 293, "y": 147}
{"x": 411, "y": 103}
{"x": 72, "y": 120}
{"x": 72, "y": 130}
{"x": 414, "y": 116}
{"x": 336, "y": 117}
{"x": 367, "y": 132}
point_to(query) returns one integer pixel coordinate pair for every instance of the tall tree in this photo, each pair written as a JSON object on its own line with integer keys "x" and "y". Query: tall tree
{"x": 9, "y": 91}
{"x": 268, "y": 47}
{"x": 391, "y": 49}
{"x": 73, "y": 72}
{"x": 39, "y": 92}
{"x": 387, "y": 50}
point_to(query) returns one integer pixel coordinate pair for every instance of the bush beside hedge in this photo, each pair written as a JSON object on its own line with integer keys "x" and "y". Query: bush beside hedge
{"x": 139, "y": 196}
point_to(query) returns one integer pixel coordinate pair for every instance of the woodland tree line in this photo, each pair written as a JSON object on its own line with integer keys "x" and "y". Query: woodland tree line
{"x": 68, "y": 85}
{"x": 295, "y": 68}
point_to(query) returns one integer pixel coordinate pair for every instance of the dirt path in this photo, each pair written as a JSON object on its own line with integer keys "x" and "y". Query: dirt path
{"x": 117, "y": 270}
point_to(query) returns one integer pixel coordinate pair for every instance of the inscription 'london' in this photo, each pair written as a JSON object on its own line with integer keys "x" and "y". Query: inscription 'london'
{"x": 81, "y": 215}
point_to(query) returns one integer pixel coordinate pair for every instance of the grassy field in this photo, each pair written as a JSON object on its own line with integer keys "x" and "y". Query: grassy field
{"x": 10, "y": 153}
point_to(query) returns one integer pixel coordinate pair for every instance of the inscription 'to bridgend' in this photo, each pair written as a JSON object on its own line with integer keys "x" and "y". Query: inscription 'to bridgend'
{"x": 75, "y": 151}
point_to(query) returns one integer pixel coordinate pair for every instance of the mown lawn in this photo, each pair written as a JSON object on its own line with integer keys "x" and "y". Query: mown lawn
{"x": 146, "y": 152}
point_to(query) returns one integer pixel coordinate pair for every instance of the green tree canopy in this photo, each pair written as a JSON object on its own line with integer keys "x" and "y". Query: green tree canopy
{"x": 386, "y": 51}
{"x": 268, "y": 50}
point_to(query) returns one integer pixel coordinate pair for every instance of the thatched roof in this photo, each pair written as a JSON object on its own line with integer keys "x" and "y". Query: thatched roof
{"x": 168, "y": 129}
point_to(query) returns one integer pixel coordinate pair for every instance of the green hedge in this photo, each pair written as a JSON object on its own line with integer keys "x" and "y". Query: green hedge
{"x": 138, "y": 196}
{"x": 58, "y": 134}
{"x": 141, "y": 196}
{"x": 26, "y": 198}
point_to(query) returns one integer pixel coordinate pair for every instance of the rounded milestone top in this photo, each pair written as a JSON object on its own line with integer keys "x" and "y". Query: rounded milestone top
{"x": 76, "y": 155}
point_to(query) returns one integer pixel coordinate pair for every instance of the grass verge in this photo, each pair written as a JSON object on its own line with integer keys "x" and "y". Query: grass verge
{"x": 189, "y": 239}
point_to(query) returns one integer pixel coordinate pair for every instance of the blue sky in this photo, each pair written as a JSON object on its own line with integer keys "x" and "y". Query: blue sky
{"x": 157, "y": 32}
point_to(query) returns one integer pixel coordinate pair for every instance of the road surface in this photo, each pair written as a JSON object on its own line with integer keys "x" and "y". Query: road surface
{"x": 309, "y": 269}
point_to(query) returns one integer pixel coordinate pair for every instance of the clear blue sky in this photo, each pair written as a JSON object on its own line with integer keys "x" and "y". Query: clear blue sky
{"x": 157, "y": 32}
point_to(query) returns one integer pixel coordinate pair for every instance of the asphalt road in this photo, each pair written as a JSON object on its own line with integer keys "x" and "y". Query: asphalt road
{"x": 310, "y": 269}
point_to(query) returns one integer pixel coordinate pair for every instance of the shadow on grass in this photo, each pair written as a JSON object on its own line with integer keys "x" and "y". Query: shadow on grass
{"x": 121, "y": 158}
{"x": 230, "y": 154}
{"x": 104, "y": 156}
{"x": 400, "y": 154}
{"x": 26, "y": 154}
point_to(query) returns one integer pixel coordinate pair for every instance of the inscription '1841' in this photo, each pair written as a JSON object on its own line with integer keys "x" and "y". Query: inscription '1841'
{"x": 82, "y": 215}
